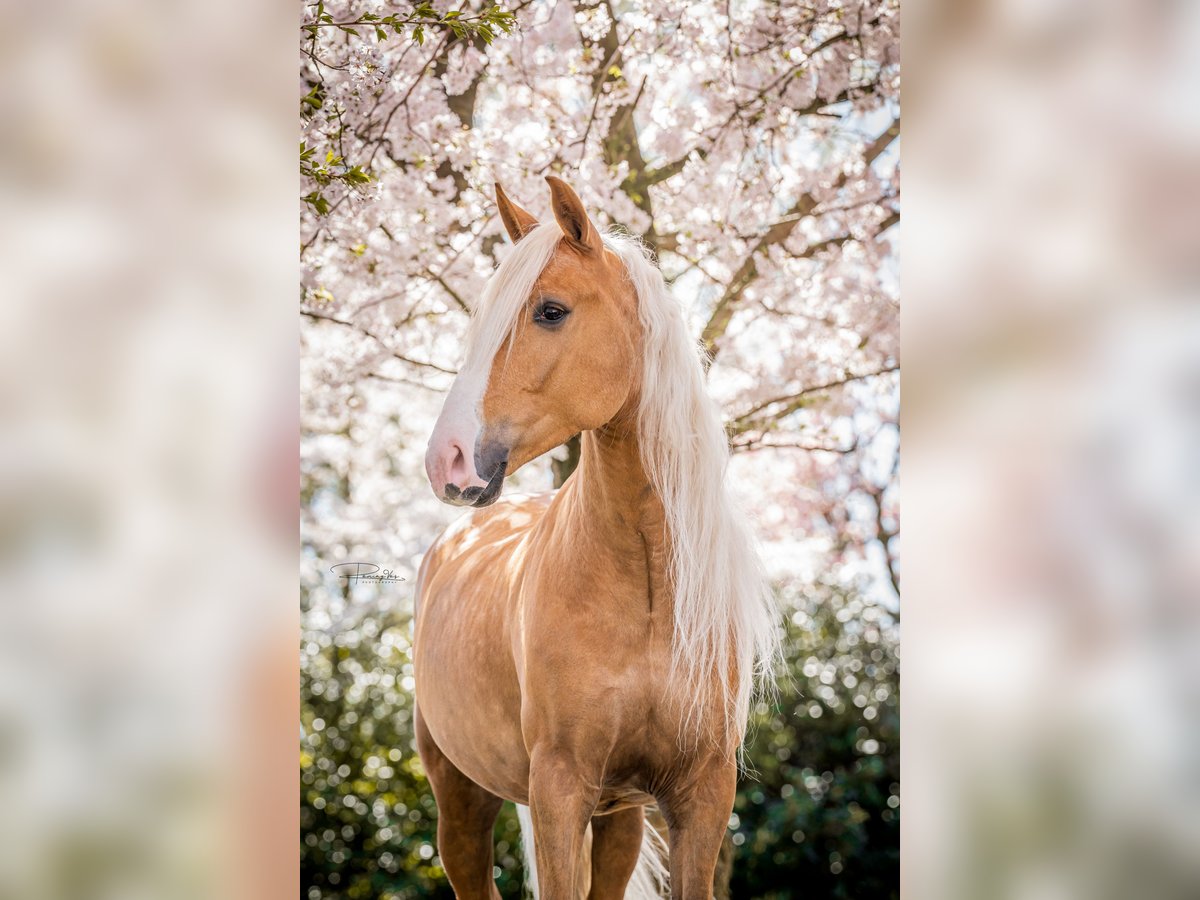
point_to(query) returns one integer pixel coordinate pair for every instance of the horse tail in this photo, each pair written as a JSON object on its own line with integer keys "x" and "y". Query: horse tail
{"x": 525, "y": 817}
{"x": 650, "y": 880}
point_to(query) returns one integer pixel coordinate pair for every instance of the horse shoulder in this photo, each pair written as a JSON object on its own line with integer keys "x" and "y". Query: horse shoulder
{"x": 470, "y": 551}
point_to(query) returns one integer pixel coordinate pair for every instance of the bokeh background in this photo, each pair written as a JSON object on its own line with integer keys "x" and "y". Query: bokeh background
{"x": 148, "y": 607}
{"x": 754, "y": 147}
{"x": 148, "y": 437}
{"x": 1052, "y": 450}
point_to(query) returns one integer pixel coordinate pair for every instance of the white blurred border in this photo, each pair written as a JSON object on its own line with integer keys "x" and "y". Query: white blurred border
{"x": 148, "y": 465}
{"x": 1051, "y": 419}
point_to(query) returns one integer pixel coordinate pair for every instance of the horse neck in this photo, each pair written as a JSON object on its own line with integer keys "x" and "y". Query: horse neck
{"x": 613, "y": 499}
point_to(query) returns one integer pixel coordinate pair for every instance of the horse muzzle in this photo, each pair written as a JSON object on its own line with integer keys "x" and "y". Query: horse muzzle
{"x": 462, "y": 480}
{"x": 476, "y": 495}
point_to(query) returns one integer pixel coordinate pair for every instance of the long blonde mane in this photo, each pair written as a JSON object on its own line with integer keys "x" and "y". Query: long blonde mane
{"x": 496, "y": 314}
{"x": 724, "y": 611}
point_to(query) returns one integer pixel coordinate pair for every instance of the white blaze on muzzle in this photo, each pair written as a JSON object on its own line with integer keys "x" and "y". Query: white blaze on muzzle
{"x": 450, "y": 456}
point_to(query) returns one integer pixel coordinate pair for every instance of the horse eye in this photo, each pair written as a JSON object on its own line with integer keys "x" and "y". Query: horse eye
{"x": 550, "y": 313}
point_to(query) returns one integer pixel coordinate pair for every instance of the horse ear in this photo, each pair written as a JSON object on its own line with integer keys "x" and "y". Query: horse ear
{"x": 571, "y": 216}
{"x": 517, "y": 222}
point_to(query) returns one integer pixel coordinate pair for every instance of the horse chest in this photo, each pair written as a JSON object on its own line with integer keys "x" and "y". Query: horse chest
{"x": 597, "y": 654}
{"x": 604, "y": 610}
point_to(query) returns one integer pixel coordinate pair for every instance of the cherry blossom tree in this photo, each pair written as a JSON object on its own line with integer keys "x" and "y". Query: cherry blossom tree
{"x": 752, "y": 144}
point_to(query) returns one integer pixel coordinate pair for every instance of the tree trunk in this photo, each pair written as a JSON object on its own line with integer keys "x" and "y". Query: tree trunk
{"x": 564, "y": 467}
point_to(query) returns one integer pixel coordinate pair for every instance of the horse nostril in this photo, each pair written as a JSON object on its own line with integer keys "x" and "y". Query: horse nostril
{"x": 451, "y": 492}
{"x": 471, "y": 494}
{"x": 458, "y": 465}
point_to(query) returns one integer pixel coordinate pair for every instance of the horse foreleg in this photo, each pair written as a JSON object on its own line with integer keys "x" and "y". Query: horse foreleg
{"x": 616, "y": 844}
{"x": 697, "y": 819}
{"x": 466, "y": 816}
{"x": 561, "y": 802}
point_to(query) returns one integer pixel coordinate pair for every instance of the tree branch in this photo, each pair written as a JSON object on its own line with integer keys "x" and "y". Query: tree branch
{"x": 722, "y": 314}
{"x": 886, "y": 536}
{"x": 671, "y": 169}
{"x": 453, "y": 294}
{"x": 888, "y": 222}
{"x": 364, "y": 331}
{"x": 621, "y": 143}
{"x": 752, "y": 419}
{"x": 752, "y": 446}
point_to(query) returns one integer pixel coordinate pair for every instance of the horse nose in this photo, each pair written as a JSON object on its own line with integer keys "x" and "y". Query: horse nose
{"x": 451, "y": 468}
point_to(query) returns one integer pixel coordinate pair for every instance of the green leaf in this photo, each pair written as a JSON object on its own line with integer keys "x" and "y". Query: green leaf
{"x": 318, "y": 202}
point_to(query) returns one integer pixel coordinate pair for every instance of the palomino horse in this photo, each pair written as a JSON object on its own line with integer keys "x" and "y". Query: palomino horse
{"x": 590, "y": 652}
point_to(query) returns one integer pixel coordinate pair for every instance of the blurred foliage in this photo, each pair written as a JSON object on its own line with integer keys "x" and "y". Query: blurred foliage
{"x": 819, "y": 813}
{"x": 818, "y": 816}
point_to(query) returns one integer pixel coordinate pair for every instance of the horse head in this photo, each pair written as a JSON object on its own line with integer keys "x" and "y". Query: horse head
{"x": 553, "y": 350}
